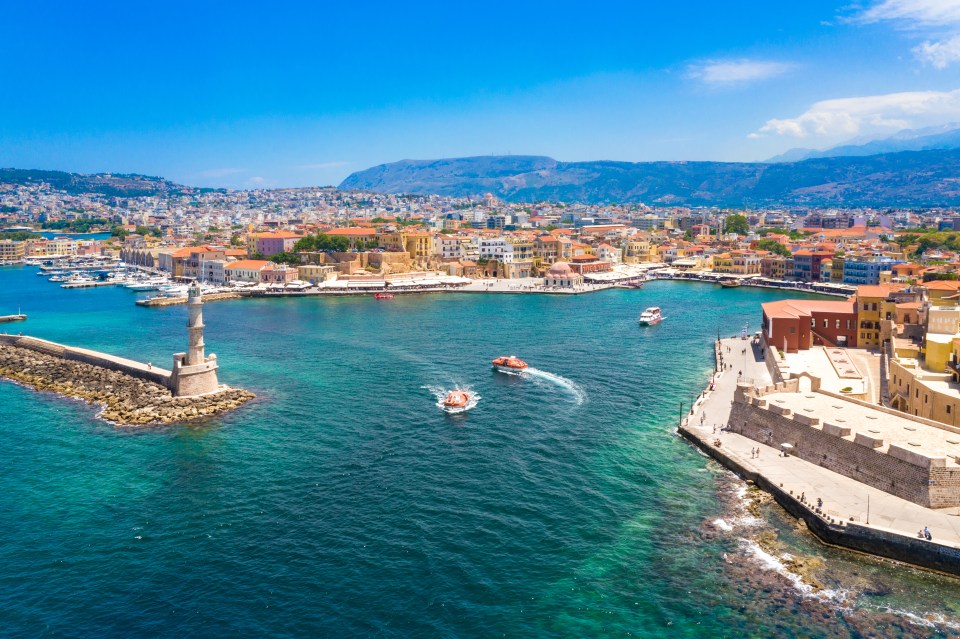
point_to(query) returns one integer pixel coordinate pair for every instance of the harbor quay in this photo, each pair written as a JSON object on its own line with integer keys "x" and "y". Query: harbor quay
{"x": 805, "y": 461}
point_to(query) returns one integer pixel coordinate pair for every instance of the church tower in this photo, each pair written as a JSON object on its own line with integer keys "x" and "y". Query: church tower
{"x": 193, "y": 372}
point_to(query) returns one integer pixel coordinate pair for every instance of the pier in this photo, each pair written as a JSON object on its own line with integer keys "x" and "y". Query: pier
{"x": 20, "y": 317}
{"x": 853, "y": 515}
{"x": 129, "y": 391}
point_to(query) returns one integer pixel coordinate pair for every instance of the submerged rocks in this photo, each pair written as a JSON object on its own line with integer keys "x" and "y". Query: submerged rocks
{"x": 125, "y": 399}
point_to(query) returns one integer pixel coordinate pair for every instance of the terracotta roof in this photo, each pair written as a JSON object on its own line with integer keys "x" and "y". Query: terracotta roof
{"x": 942, "y": 285}
{"x": 352, "y": 232}
{"x": 279, "y": 235}
{"x": 803, "y": 308}
{"x": 249, "y": 265}
{"x": 881, "y": 290}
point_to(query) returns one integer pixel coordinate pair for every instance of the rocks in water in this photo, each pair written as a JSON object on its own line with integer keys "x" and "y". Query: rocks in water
{"x": 125, "y": 399}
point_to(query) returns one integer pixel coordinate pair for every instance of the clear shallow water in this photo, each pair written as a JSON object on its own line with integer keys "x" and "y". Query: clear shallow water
{"x": 344, "y": 502}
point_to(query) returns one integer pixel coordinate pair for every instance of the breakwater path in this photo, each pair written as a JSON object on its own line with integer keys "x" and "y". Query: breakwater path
{"x": 853, "y": 515}
{"x": 129, "y": 392}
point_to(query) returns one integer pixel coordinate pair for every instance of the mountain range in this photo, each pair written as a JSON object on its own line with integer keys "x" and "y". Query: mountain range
{"x": 906, "y": 178}
{"x": 946, "y": 136}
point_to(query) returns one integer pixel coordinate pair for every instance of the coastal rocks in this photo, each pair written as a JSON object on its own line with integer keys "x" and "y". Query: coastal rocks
{"x": 125, "y": 399}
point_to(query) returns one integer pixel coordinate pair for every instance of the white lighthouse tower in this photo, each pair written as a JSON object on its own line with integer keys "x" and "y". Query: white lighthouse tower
{"x": 193, "y": 372}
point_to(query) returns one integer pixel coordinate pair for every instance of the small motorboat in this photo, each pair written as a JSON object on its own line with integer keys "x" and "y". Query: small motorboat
{"x": 651, "y": 316}
{"x": 730, "y": 282}
{"x": 456, "y": 399}
{"x": 383, "y": 296}
{"x": 510, "y": 364}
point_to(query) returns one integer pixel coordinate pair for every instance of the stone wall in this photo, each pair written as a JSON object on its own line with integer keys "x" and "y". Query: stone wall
{"x": 125, "y": 399}
{"x": 826, "y": 446}
{"x": 868, "y": 539}
{"x": 110, "y": 362}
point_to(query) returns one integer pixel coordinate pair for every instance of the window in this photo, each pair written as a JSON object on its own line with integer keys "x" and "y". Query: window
{"x": 866, "y": 306}
{"x": 926, "y": 398}
{"x": 873, "y": 306}
{"x": 848, "y": 325}
{"x": 793, "y": 330}
{"x": 826, "y": 323}
{"x": 838, "y": 324}
{"x": 917, "y": 396}
{"x": 948, "y": 409}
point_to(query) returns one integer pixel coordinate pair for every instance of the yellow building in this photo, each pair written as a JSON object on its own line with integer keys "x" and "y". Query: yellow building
{"x": 873, "y": 308}
{"x": 927, "y": 394}
{"x": 943, "y": 293}
{"x": 11, "y": 251}
{"x": 723, "y": 263}
{"x": 418, "y": 244}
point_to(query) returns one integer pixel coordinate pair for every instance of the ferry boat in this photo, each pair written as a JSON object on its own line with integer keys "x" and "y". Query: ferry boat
{"x": 456, "y": 399}
{"x": 510, "y": 364}
{"x": 730, "y": 282}
{"x": 383, "y": 296}
{"x": 651, "y": 316}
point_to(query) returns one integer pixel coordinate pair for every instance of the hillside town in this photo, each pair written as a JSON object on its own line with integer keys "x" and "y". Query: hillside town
{"x": 315, "y": 236}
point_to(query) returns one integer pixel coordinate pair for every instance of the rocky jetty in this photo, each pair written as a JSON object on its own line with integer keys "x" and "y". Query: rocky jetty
{"x": 125, "y": 399}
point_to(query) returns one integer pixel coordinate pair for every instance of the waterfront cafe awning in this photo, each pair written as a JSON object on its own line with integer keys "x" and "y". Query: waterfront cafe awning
{"x": 365, "y": 284}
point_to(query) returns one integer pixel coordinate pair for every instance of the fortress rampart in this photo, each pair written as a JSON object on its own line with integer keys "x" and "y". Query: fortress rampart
{"x": 878, "y": 447}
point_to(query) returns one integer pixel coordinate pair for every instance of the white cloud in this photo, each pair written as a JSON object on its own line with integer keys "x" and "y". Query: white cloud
{"x": 845, "y": 117}
{"x": 939, "y": 55}
{"x": 913, "y": 13}
{"x": 938, "y": 18}
{"x": 735, "y": 72}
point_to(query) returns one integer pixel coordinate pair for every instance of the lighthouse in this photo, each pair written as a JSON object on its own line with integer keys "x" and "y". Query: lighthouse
{"x": 194, "y": 373}
{"x": 195, "y": 325}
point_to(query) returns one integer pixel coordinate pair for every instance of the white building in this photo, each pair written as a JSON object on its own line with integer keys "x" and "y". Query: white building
{"x": 497, "y": 248}
{"x": 448, "y": 247}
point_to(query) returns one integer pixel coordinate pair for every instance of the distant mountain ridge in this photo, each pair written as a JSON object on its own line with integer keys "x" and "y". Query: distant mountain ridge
{"x": 921, "y": 178}
{"x": 927, "y": 139}
{"x": 108, "y": 184}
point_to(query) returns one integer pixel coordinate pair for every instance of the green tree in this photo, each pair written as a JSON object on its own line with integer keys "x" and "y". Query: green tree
{"x": 118, "y": 232}
{"x": 286, "y": 258}
{"x": 774, "y": 247}
{"x": 736, "y": 224}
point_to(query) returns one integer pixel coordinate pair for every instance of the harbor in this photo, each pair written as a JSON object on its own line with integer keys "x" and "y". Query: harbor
{"x": 586, "y": 448}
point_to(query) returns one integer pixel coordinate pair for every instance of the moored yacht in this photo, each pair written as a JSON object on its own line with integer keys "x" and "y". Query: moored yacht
{"x": 651, "y": 316}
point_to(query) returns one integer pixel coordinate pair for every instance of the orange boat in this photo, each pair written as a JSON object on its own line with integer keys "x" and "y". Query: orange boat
{"x": 383, "y": 296}
{"x": 456, "y": 399}
{"x": 510, "y": 364}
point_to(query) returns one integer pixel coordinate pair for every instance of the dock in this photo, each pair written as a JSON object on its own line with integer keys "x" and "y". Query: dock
{"x": 13, "y": 318}
{"x": 853, "y": 516}
{"x": 87, "y": 284}
{"x": 174, "y": 301}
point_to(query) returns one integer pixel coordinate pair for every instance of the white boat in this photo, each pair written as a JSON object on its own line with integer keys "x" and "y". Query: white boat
{"x": 651, "y": 316}
{"x": 146, "y": 285}
{"x": 174, "y": 291}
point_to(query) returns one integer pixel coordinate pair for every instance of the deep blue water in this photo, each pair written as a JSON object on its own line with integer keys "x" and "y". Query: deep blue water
{"x": 343, "y": 502}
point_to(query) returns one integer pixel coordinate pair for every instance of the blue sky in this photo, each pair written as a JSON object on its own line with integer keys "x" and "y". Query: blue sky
{"x": 295, "y": 94}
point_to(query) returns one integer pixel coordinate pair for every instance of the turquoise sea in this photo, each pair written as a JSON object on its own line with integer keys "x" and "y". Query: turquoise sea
{"x": 343, "y": 502}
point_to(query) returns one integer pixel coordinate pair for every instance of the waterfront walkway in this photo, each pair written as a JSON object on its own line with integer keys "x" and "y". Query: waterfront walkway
{"x": 842, "y": 497}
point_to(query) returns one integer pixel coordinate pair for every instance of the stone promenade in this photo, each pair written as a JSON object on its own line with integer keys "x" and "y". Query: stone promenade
{"x": 842, "y": 497}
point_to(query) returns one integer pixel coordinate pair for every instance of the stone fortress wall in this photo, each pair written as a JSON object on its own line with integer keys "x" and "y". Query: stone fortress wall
{"x": 850, "y": 449}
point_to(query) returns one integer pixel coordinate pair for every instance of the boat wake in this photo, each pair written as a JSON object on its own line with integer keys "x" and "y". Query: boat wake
{"x": 441, "y": 394}
{"x": 571, "y": 387}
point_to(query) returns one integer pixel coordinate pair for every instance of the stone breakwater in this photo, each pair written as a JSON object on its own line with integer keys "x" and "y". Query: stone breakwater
{"x": 125, "y": 399}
